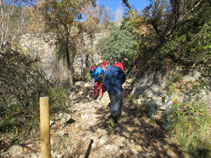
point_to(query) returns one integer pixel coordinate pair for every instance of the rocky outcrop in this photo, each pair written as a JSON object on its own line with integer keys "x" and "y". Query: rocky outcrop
{"x": 166, "y": 89}
{"x": 42, "y": 47}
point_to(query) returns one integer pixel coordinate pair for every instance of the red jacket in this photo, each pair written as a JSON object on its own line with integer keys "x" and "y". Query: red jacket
{"x": 119, "y": 65}
{"x": 92, "y": 68}
{"x": 104, "y": 63}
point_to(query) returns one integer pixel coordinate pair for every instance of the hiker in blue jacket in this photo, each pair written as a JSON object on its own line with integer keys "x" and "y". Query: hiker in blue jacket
{"x": 113, "y": 80}
{"x": 98, "y": 76}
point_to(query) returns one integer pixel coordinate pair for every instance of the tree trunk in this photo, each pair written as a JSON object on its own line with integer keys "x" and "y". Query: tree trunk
{"x": 69, "y": 64}
{"x": 179, "y": 9}
{"x": 127, "y": 4}
{"x": 86, "y": 65}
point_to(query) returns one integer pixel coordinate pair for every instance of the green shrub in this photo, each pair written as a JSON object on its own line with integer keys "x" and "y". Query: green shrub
{"x": 122, "y": 44}
{"x": 170, "y": 86}
{"x": 88, "y": 76}
{"x": 190, "y": 46}
{"x": 189, "y": 124}
{"x": 151, "y": 108}
{"x": 57, "y": 99}
{"x": 9, "y": 125}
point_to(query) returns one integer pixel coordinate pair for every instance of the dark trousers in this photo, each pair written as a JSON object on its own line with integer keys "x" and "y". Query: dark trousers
{"x": 115, "y": 105}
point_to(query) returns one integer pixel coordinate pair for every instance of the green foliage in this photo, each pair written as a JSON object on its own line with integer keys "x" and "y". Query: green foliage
{"x": 170, "y": 86}
{"x": 121, "y": 44}
{"x": 14, "y": 117}
{"x": 57, "y": 99}
{"x": 189, "y": 124}
{"x": 88, "y": 76}
{"x": 10, "y": 125}
{"x": 151, "y": 108}
{"x": 170, "y": 83}
{"x": 190, "y": 45}
{"x": 62, "y": 17}
{"x": 197, "y": 88}
{"x": 179, "y": 32}
{"x": 20, "y": 81}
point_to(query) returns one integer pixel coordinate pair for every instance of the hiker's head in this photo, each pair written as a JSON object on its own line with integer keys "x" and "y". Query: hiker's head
{"x": 104, "y": 63}
{"x": 112, "y": 62}
{"x": 101, "y": 65}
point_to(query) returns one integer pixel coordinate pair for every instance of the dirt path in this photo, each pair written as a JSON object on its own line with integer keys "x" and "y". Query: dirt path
{"x": 91, "y": 134}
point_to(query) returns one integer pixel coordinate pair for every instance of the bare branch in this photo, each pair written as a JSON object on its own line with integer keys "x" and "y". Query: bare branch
{"x": 22, "y": 18}
{"x": 182, "y": 18}
{"x": 2, "y": 24}
{"x": 194, "y": 7}
{"x": 127, "y": 4}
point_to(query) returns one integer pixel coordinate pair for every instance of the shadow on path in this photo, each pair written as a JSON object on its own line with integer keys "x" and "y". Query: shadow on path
{"x": 140, "y": 131}
{"x": 84, "y": 94}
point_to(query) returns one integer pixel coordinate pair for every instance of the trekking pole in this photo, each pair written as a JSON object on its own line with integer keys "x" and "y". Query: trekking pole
{"x": 45, "y": 127}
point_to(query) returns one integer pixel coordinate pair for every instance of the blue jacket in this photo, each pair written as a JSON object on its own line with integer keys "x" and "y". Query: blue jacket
{"x": 113, "y": 79}
{"x": 97, "y": 71}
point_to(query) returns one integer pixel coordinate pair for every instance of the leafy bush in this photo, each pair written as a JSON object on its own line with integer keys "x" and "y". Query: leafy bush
{"x": 88, "y": 76}
{"x": 151, "y": 108}
{"x": 121, "y": 45}
{"x": 190, "y": 45}
{"x": 9, "y": 125}
{"x": 189, "y": 124}
{"x": 57, "y": 99}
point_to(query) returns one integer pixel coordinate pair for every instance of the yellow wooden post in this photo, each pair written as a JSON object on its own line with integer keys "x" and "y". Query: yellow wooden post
{"x": 45, "y": 127}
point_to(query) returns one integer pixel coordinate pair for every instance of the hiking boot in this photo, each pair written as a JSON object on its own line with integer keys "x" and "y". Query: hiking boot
{"x": 95, "y": 97}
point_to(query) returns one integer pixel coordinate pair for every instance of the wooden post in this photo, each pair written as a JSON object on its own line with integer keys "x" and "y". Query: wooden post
{"x": 45, "y": 127}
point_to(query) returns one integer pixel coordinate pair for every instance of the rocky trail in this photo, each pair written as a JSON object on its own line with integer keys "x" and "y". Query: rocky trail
{"x": 86, "y": 132}
{"x": 92, "y": 136}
